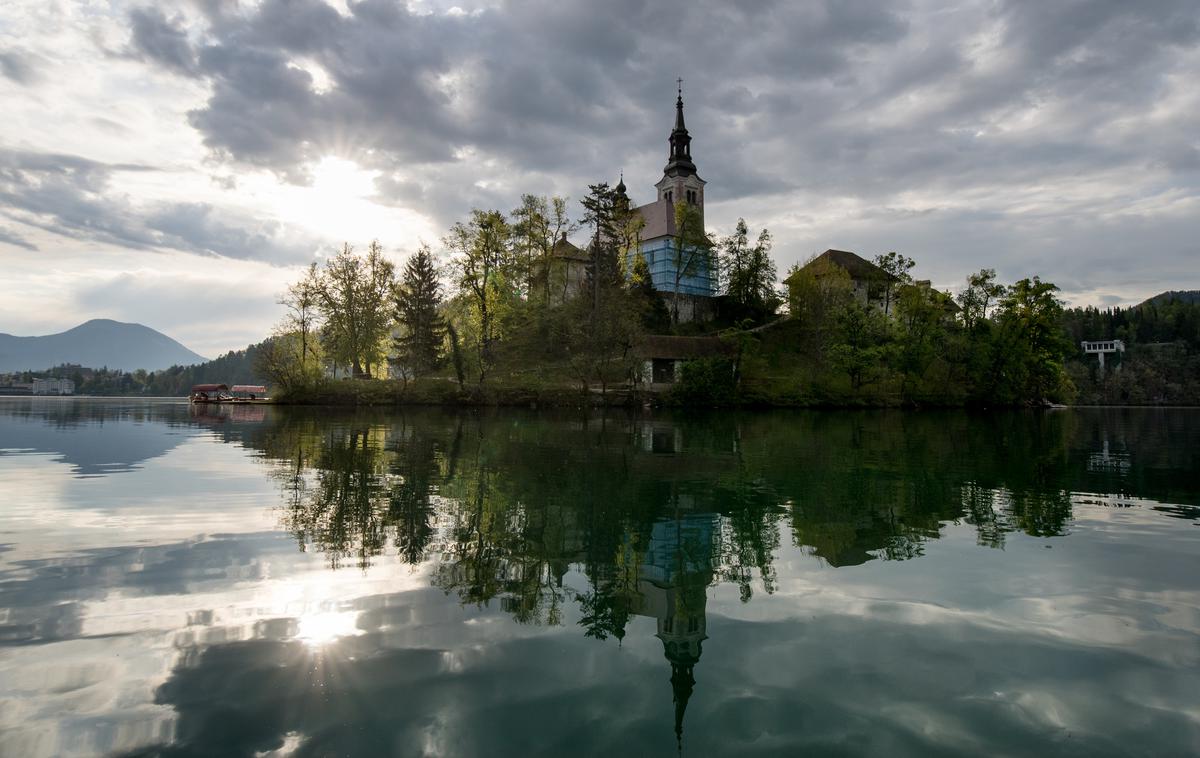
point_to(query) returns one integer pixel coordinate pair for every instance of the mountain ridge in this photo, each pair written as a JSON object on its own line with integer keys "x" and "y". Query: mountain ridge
{"x": 94, "y": 343}
{"x": 1186, "y": 296}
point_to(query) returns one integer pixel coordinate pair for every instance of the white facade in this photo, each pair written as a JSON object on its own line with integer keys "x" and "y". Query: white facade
{"x": 53, "y": 387}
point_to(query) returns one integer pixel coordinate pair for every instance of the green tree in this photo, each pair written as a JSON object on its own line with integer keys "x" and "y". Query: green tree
{"x": 302, "y": 319}
{"x": 1030, "y": 317}
{"x": 862, "y": 345}
{"x": 601, "y": 212}
{"x": 981, "y": 294}
{"x": 748, "y": 270}
{"x": 418, "y": 298}
{"x": 354, "y": 295}
{"x": 482, "y": 261}
{"x": 537, "y": 224}
{"x": 818, "y": 293}
{"x": 923, "y": 321}
{"x": 896, "y": 268}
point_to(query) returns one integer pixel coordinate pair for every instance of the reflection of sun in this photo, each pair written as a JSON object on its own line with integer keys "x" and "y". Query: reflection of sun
{"x": 318, "y": 629}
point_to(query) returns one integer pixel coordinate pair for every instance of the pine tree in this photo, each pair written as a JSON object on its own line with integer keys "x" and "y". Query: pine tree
{"x": 417, "y": 299}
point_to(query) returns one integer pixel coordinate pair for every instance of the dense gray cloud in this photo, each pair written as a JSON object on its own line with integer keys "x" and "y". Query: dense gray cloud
{"x": 10, "y": 237}
{"x": 18, "y": 67}
{"x": 72, "y": 196}
{"x": 791, "y": 105}
{"x": 1058, "y": 139}
{"x": 159, "y": 39}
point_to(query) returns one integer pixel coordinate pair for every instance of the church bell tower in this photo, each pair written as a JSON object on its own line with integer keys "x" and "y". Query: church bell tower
{"x": 680, "y": 183}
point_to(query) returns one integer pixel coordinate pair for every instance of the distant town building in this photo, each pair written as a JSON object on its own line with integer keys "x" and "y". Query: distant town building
{"x": 53, "y": 387}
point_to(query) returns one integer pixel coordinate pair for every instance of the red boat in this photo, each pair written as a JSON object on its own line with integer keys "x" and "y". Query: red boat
{"x": 210, "y": 393}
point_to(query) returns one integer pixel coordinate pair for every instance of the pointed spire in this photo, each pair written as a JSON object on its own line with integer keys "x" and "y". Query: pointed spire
{"x": 682, "y": 683}
{"x": 680, "y": 161}
{"x": 679, "y": 127}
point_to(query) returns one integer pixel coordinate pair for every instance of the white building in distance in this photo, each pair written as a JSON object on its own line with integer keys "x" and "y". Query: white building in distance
{"x": 53, "y": 387}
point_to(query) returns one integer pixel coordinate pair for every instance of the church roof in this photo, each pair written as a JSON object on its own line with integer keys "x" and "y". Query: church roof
{"x": 659, "y": 217}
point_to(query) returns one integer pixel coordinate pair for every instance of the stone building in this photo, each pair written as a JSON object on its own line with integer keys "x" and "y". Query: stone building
{"x": 868, "y": 282}
{"x": 568, "y": 271}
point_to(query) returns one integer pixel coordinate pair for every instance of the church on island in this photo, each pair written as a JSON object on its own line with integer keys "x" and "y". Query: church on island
{"x": 682, "y": 275}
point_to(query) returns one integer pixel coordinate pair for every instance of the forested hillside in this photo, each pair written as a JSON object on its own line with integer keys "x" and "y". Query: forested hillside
{"x": 235, "y": 367}
{"x": 1161, "y": 363}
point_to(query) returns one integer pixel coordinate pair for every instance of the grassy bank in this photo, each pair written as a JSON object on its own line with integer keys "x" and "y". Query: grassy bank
{"x": 440, "y": 391}
{"x": 698, "y": 389}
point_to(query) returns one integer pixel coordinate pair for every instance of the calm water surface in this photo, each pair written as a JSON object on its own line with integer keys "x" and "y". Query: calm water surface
{"x": 279, "y": 582}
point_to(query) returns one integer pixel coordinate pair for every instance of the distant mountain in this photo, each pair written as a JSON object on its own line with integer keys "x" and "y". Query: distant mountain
{"x": 96, "y": 343}
{"x": 1186, "y": 296}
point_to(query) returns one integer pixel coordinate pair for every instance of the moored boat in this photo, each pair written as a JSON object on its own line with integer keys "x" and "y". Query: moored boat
{"x": 210, "y": 393}
{"x": 249, "y": 393}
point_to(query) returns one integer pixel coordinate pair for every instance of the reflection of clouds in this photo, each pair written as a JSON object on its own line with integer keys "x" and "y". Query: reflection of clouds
{"x": 239, "y": 644}
{"x": 99, "y": 444}
{"x": 88, "y": 686}
{"x": 1097, "y": 588}
{"x": 53, "y": 514}
{"x": 938, "y": 654}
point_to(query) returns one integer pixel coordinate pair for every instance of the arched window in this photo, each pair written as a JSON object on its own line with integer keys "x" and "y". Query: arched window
{"x": 668, "y": 196}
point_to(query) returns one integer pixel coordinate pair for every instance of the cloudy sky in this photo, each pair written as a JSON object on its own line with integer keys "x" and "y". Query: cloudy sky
{"x": 176, "y": 163}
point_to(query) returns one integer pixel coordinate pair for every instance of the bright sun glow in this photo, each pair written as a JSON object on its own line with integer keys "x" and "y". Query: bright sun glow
{"x": 340, "y": 205}
{"x": 336, "y": 177}
{"x": 318, "y": 629}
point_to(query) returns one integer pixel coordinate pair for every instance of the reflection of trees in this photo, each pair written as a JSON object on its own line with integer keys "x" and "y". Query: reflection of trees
{"x": 414, "y": 475}
{"x": 348, "y": 487}
{"x": 614, "y": 518}
{"x": 510, "y": 502}
{"x": 345, "y": 508}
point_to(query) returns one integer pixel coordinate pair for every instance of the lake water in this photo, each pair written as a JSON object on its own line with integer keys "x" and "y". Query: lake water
{"x": 261, "y": 581}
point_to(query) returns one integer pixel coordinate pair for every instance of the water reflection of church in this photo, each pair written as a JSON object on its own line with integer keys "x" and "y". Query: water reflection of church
{"x": 673, "y": 580}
